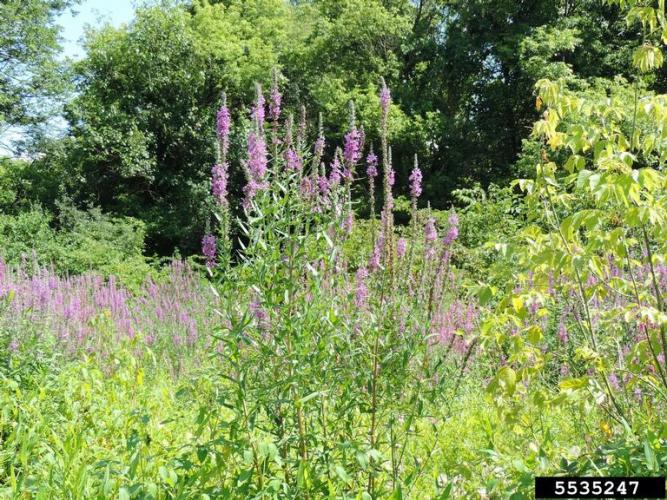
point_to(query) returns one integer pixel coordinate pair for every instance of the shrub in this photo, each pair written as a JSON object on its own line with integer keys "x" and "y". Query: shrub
{"x": 81, "y": 242}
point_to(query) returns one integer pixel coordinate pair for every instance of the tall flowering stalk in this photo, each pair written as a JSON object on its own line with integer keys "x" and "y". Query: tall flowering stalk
{"x": 415, "y": 186}
{"x": 209, "y": 249}
{"x": 219, "y": 182}
{"x": 361, "y": 297}
{"x": 389, "y": 176}
{"x": 258, "y": 111}
{"x": 440, "y": 275}
{"x": 352, "y": 152}
{"x": 256, "y": 163}
{"x": 318, "y": 148}
{"x": 372, "y": 173}
{"x": 223, "y": 127}
{"x": 276, "y": 99}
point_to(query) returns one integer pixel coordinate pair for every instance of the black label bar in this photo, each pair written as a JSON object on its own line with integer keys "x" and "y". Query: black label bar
{"x": 600, "y": 487}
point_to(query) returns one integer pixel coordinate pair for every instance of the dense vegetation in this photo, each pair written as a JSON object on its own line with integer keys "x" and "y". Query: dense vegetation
{"x": 334, "y": 248}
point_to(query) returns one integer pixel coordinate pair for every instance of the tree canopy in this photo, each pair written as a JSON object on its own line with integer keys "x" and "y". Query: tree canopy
{"x": 32, "y": 77}
{"x": 463, "y": 73}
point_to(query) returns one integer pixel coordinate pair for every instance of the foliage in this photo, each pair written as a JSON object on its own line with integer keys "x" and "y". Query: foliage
{"x": 589, "y": 273}
{"x": 31, "y": 78}
{"x": 82, "y": 242}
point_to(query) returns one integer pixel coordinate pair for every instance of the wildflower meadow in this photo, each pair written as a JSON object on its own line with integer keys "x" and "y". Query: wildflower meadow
{"x": 334, "y": 331}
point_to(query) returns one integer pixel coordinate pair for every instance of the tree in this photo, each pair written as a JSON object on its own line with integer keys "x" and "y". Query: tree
{"x": 31, "y": 77}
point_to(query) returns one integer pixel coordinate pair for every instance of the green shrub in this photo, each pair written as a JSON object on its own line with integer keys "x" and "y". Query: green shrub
{"x": 96, "y": 242}
{"x": 26, "y": 232}
{"x": 83, "y": 241}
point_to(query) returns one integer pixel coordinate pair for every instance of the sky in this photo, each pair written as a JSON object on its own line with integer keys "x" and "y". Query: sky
{"x": 93, "y": 13}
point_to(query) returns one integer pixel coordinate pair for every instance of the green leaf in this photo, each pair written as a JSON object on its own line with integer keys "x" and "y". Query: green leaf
{"x": 507, "y": 379}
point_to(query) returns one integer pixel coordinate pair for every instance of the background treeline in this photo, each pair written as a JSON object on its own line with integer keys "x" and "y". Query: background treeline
{"x": 140, "y": 105}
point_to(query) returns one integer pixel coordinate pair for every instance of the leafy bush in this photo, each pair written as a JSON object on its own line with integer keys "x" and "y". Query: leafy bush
{"x": 28, "y": 232}
{"x": 95, "y": 242}
{"x": 81, "y": 241}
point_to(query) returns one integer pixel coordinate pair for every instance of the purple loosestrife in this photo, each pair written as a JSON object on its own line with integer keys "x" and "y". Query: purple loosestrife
{"x": 275, "y": 99}
{"x": 353, "y": 142}
{"x": 219, "y": 183}
{"x": 256, "y": 167}
{"x": 453, "y": 231}
{"x": 209, "y": 248}
{"x": 430, "y": 232}
{"x": 613, "y": 380}
{"x": 223, "y": 126}
{"x": 415, "y": 183}
{"x": 372, "y": 165}
{"x": 318, "y": 149}
{"x": 372, "y": 173}
{"x": 257, "y": 156}
{"x": 301, "y": 130}
{"x": 335, "y": 175}
{"x": 376, "y": 257}
{"x": 323, "y": 185}
{"x": 258, "y": 112}
{"x": 361, "y": 298}
{"x": 66, "y": 306}
{"x": 260, "y": 315}
{"x": 292, "y": 160}
{"x": 401, "y": 247}
{"x": 352, "y": 148}
{"x": 430, "y": 235}
{"x": 385, "y": 99}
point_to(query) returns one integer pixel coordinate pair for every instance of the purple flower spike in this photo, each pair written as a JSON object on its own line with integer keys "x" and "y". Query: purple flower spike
{"x": 224, "y": 121}
{"x": 209, "y": 248}
{"x": 453, "y": 231}
{"x": 401, "y": 246}
{"x": 361, "y": 297}
{"x": 219, "y": 183}
{"x": 292, "y": 160}
{"x": 352, "y": 150}
{"x": 319, "y": 147}
{"x": 376, "y": 257}
{"x": 415, "y": 183}
{"x": 430, "y": 233}
{"x": 257, "y": 156}
{"x": 258, "y": 110}
{"x": 336, "y": 174}
{"x": 372, "y": 162}
{"x": 276, "y": 100}
{"x": 385, "y": 98}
